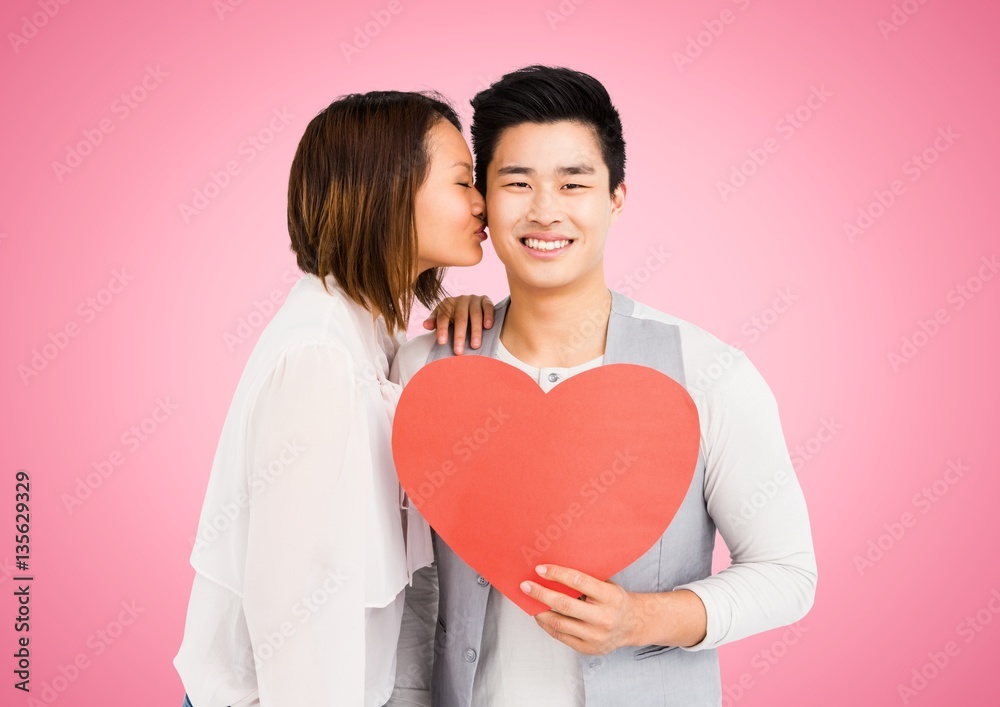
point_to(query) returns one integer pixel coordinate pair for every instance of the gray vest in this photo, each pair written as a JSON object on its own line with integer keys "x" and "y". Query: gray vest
{"x": 664, "y": 676}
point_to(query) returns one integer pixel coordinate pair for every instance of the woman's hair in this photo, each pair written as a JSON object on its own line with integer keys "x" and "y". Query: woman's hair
{"x": 351, "y": 198}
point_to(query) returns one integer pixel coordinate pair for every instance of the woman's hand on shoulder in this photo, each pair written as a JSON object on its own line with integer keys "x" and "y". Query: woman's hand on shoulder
{"x": 467, "y": 312}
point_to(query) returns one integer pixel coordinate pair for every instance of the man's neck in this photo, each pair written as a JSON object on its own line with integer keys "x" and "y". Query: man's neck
{"x": 557, "y": 328}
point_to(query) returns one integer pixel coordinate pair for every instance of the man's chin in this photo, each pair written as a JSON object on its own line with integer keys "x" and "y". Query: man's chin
{"x": 532, "y": 281}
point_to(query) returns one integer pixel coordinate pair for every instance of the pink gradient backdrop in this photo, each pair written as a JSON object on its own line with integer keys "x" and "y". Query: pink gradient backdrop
{"x": 162, "y": 336}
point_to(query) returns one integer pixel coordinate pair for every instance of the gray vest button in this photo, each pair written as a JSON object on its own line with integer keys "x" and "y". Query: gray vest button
{"x": 482, "y": 581}
{"x": 470, "y": 655}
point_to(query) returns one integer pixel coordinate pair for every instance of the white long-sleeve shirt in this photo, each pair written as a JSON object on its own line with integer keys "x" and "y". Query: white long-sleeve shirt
{"x": 300, "y": 559}
{"x": 750, "y": 491}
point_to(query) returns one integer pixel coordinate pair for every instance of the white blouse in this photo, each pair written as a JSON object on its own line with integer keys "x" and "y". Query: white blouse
{"x": 300, "y": 558}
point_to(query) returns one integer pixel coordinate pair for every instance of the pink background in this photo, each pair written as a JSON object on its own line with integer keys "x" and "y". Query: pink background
{"x": 162, "y": 336}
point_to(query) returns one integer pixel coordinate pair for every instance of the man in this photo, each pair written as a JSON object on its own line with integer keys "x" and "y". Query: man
{"x": 550, "y": 159}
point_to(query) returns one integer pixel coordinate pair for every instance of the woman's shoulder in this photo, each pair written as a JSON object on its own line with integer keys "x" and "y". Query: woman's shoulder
{"x": 312, "y": 314}
{"x": 313, "y": 324}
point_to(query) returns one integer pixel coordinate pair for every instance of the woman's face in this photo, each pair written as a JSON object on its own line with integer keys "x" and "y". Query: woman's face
{"x": 450, "y": 212}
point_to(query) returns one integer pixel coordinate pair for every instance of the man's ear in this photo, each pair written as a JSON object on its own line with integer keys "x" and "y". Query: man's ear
{"x": 617, "y": 202}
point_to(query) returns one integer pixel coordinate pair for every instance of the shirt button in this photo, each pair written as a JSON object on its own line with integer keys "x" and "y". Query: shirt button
{"x": 470, "y": 655}
{"x": 481, "y": 581}
{"x": 553, "y": 377}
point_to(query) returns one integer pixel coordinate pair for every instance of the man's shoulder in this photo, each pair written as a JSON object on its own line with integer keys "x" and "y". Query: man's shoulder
{"x": 412, "y": 356}
{"x": 694, "y": 338}
{"x": 711, "y": 364}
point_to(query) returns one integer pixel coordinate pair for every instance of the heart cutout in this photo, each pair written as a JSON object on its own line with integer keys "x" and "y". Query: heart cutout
{"x": 587, "y": 476}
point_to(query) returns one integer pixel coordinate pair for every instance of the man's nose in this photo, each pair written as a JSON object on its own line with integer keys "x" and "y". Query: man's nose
{"x": 544, "y": 208}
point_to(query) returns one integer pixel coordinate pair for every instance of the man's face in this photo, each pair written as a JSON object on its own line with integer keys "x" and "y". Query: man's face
{"x": 548, "y": 204}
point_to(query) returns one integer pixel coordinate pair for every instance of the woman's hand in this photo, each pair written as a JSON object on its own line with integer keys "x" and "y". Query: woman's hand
{"x": 475, "y": 311}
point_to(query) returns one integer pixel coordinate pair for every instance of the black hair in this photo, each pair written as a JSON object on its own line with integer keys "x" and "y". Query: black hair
{"x": 546, "y": 94}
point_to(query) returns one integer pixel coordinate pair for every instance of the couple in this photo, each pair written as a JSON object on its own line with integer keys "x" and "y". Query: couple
{"x": 304, "y": 551}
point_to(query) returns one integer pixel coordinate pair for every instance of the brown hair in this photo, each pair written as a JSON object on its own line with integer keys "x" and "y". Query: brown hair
{"x": 351, "y": 195}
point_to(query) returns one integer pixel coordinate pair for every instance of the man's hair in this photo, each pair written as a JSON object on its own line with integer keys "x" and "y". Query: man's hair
{"x": 546, "y": 94}
{"x": 351, "y": 196}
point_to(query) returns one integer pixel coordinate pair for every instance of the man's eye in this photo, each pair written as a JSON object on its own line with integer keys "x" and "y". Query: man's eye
{"x": 517, "y": 184}
{"x": 573, "y": 186}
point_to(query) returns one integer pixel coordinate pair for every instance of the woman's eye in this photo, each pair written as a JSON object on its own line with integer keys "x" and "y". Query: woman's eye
{"x": 465, "y": 184}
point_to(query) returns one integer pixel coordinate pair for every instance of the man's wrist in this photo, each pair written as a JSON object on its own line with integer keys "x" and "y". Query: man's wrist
{"x": 676, "y": 618}
{"x": 648, "y": 612}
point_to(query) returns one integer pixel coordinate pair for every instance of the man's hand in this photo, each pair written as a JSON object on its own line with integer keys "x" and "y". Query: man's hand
{"x": 475, "y": 311}
{"x": 607, "y": 617}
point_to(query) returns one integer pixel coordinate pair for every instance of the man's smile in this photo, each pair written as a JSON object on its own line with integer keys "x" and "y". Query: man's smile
{"x": 546, "y": 244}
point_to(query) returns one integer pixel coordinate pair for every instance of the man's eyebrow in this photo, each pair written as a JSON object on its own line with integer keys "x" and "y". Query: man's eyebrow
{"x": 562, "y": 171}
{"x": 576, "y": 169}
{"x": 514, "y": 169}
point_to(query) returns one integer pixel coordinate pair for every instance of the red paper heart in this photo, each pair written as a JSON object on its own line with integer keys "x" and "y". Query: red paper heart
{"x": 588, "y": 476}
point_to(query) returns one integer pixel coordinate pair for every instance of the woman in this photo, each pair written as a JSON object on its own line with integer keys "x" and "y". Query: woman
{"x": 302, "y": 553}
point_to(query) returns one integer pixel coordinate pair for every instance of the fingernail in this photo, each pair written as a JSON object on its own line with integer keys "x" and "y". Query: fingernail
{"x": 488, "y": 323}
{"x": 526, "y": 587}
{"x": 475, "y": 343}
{"x": 541, "y": 569}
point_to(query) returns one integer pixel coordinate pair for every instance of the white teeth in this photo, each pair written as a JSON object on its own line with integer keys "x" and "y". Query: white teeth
{"x": 536, "y": 244}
